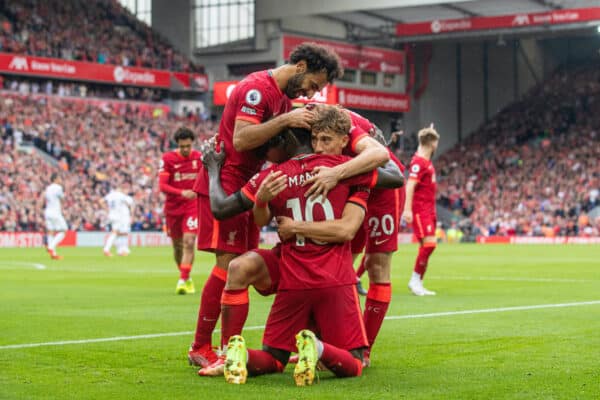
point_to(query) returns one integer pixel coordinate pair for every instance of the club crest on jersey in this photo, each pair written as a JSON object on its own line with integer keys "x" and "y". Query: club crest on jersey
{"x": 253, "y": 97}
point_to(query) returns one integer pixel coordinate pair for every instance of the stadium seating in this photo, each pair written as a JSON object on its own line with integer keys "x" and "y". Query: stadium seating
{"x": 533, "y": 169}
{"x": 98, "y": 31}
{"x": 94, "y": 146}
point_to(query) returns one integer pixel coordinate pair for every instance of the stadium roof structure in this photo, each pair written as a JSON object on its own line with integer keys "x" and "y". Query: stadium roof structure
{"x": 376, "y": 21}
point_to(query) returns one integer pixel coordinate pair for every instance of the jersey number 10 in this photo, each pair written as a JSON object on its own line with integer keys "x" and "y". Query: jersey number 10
{"x": 295, "y": 206}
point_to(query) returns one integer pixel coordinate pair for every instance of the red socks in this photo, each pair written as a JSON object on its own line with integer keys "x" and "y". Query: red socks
{"x": 423, "y": 258}
{"x": 210, "y": 306}
{"x": 261, "y": 362}
{"x": 184, "y": 271}
{"x": 234, "y": 311}
{"x": 376, "y": 305}
{"x": 361, "y": 268}
{"x": 341, "y": 362}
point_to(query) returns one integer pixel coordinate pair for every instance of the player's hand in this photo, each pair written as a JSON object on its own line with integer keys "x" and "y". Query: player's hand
{"x": 189, "y": 194}
{"x": 407, "y": 216}
{"x": 271, "y": 186}
{"x": 212, "y": 159}
{"x": 300, "y": 118}
{"x": 324, "y": 179}
{"x": 285, "y": 227}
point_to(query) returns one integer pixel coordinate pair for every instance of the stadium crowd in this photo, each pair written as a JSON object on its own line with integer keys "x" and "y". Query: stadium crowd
{"x": 95, "y": 148}
{"x": 101, "y": 31}
{"x": 533, "y": 169}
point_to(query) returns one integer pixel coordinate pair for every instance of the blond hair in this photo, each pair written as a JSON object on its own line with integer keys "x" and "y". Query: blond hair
{"x": 427, "y": 136}
{"x": 331, "y": 118}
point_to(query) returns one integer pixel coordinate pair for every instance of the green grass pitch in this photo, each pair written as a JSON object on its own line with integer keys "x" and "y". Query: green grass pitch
{"x": 503, "y": 349}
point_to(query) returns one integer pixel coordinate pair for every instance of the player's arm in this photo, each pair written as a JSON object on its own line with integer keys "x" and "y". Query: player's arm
{"x": 224, "y": 206}
{"x": 248, "y": 135}
{"x": 371, "y": 154}
{"x": 165, "y": 187}
{"x": 389, "y": 176}
{"x": 407, "y": 215}
{"x": 334, "y": 231}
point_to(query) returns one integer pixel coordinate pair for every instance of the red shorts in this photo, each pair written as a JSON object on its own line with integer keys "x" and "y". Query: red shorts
{"x": 271, "y": 258}
{"x": 380, "y": 230}
{"x": 333, "y": 312}
{"x": 424, "y": 225}
{"x": 234, "y": 235}
{"x": 177, "y": 225}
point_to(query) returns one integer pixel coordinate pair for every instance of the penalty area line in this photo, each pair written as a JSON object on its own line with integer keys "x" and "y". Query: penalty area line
{"x": 260, "y": 327}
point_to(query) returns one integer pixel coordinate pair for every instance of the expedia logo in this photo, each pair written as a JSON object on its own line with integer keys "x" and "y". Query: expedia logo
{"x": 119, "y": 74}
{"x": 19, "y": 63}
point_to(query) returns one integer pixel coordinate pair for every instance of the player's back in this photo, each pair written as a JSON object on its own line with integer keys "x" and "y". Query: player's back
{"x": 255, "y": 99}
{"x": 118, "y": 204}
{"x": 308, "y": 263}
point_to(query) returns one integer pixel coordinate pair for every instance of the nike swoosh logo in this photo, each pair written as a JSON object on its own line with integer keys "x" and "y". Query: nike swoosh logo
{"x": 208, "y": 320}
{"x": 378, "y": 242}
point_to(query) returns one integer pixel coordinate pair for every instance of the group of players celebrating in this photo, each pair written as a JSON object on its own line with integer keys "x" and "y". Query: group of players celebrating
{"x": 334, "y": 190}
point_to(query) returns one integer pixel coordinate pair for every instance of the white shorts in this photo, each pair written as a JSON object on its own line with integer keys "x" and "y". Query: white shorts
{"x": 55, "y": 222}
{"x": 121, "y": 225}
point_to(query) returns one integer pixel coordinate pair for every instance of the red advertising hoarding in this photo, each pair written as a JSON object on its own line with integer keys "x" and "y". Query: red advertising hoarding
{"x": 372, "y": 100}
{"x": 87, "y": 71}
{"x": 554, "y": 17}
{"x": 354, "y": 56}
{"x": 351, "y": 98}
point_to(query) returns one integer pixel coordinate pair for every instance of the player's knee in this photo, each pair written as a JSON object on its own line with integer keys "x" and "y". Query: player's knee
{"x": 378, "y": 267}
{"x": 238, "y": 272}
{"x": 188, "y": 243}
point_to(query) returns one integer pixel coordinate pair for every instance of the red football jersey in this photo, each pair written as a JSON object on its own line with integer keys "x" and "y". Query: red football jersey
{"x": 359, "y": 129}
{"x": 182, "y": 173}
{"x": 257, "y": 98}
{"x": 307, "y": 264}
{"x": 423, "y": 172}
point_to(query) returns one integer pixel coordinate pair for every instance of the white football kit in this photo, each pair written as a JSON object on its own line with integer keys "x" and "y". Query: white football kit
{"x": 53, "y": 213}
{"x": 119, "y": 211}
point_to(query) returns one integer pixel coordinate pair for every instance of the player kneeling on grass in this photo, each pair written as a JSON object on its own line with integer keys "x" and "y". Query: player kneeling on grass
{"x": 178, "y": 171}
{"x": 316, "y": 277}
{"x": 120, "y": 207}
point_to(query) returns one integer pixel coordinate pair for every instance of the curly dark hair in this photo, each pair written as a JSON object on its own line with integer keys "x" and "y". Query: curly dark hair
{"x": 183, "y": 133}
{"x": 318, "y": 58}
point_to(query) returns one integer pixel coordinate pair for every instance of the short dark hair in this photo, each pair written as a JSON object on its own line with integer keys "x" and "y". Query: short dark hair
{"x": 53, "y": 176}
{"x": 318, "y": 58}
{"x": 183, "y": 133}
{"x": 303, "y": 136}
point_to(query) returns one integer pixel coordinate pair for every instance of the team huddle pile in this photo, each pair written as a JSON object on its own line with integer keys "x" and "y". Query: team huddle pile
{"x": 334, "y": 191}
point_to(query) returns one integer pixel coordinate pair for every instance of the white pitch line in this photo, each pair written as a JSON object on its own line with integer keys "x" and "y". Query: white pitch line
{"x": 500, "y": 278}
{"x": 26, "y": 264}
{"x": 259, "y": 327}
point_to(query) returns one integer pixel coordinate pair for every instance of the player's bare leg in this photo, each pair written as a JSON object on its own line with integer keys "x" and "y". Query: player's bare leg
{"x": 184, "y": 255}
{"x": 378, "y": 266}
{"x": 415, "y": 284}
{"x": 202, "y": 353}
{"x": 359, "y": 273}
